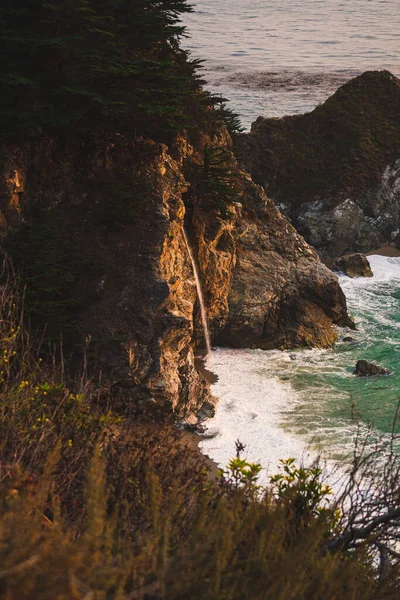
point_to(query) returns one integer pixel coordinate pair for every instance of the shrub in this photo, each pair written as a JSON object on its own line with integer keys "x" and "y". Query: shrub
{"x": 94, "y": 505}
{"x": 226, "y": 116}
{"x": 303, "y": 492}
{"x": 214, "y": 181}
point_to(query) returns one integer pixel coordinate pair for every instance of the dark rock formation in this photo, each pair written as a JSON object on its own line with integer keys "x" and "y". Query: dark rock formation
{"x": 335, "y": 171}
{"x": 354, "y": 265}
{"x": 281, "y": 295}
{"x": 118, "y": 208}
{"x": 367, "y": 369}
{"x": 105, "y": 220}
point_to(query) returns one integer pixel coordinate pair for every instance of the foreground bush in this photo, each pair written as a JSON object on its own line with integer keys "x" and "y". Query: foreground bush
{"x": 233, "y": 548}
{"x": 96, "y": 505}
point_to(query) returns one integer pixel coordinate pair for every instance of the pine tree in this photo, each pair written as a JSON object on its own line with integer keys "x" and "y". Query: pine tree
{"x": 95, "y": 65}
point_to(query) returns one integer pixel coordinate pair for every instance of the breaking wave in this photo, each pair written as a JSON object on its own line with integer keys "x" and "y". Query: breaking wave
{"x": 305, "y": 403}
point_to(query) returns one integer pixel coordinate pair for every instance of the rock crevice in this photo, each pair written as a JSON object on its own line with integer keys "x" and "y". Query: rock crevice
{"x": 114, "y": 212}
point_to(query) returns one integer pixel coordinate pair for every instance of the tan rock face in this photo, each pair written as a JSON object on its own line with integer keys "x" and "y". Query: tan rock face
{"x": 119, "y": 208}
{"x": 281, "y": 295}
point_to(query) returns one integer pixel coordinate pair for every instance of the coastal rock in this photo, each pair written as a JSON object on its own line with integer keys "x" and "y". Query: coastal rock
{"x": 335, "y": 171}
{"x": 97, "y": 231}
{"x": 264, "y": 286}
{"x": 354, "y": 265}
{"x": 367, "y": 369}
{"x": 281, "y": 295}
{"x": 108, "y": 220}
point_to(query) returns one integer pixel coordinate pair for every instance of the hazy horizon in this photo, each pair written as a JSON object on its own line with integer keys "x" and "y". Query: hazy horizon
{"x": 278, "y": 58}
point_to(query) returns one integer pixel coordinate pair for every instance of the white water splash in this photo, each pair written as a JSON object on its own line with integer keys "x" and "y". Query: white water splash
{"x": 283, "y": 403}
{"x": 200, "y": 296}
{"x": 251, "y": 403}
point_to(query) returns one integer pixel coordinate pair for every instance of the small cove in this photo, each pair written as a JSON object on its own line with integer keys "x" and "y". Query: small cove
{"x": 303, "y": 403}
{"x": 274, "y": 59}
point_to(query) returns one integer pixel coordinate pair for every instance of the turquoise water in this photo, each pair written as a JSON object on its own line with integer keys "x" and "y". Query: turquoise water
{"x": 290, "y": 403}
{"x": 327, "y": 378}
{"x": 333, "y": 402}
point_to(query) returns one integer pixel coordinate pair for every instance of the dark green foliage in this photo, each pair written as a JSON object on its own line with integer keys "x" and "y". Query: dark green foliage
{"x": 95, "y": 65}
{"x": 47, "y": 267}
{"x": 214, "y": 181}
{"x": 226, "y": 116}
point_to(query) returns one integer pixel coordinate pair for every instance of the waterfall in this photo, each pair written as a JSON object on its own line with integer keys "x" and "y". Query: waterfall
{"x": 199, "y": 293}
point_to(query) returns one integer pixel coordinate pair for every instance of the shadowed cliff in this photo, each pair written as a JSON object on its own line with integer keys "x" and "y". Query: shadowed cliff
{"x": 335, "y": 171}
{"x": 110, "y": 149}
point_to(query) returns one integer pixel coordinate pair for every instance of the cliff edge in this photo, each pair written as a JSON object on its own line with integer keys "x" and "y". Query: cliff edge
{"x": 96, "y": 231}
{"x": 335, "y": 171}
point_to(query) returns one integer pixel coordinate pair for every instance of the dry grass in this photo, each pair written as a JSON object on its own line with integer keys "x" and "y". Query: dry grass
{"x": 96, "y": 506}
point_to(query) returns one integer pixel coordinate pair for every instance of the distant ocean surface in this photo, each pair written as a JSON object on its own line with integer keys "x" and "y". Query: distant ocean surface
{"x": 273, "y": 58}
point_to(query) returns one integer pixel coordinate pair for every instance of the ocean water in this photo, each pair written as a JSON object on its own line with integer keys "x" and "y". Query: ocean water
{"x": 274, "y": 58}
{"x": 305, "y": 403}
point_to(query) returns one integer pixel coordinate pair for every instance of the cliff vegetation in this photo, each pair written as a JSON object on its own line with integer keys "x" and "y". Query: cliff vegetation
{"x": 110, "y": 150}
{"x": 89, "y": 67}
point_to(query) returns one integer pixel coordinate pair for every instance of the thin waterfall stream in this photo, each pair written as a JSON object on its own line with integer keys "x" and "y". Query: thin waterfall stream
{"x": 200, "y": 296}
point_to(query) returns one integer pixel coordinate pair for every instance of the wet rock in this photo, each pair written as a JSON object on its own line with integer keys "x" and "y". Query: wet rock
{"x": 335, "y": 171}
{"x": 281, "y": 295}
{"x": 354, "y": 265}
{"x": 348, "y": 339}
{"x": 121, "y": 205}
{"x": 367, "y": 369}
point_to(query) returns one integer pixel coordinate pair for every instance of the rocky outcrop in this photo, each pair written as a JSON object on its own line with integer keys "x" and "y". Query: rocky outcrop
{"x": 118, "y": 209}
{"x": 368, "y": 369}
{"x": 281, "y": 295}
{"x": 335, "y": 171}
{"x": 354, "y": 265}
{"x": 264, "y": 286}
{"x": 105, "y": 221}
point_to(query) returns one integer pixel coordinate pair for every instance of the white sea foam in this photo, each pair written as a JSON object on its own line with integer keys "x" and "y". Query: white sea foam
{"x": 283, "y": 403}
{"x": 251, "y": 403}
{"x": 372, "y": 296}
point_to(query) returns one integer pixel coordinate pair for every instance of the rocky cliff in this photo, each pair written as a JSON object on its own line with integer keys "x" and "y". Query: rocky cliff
{"x": 95, "y": 229}
{"x": 335, "y": 171}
